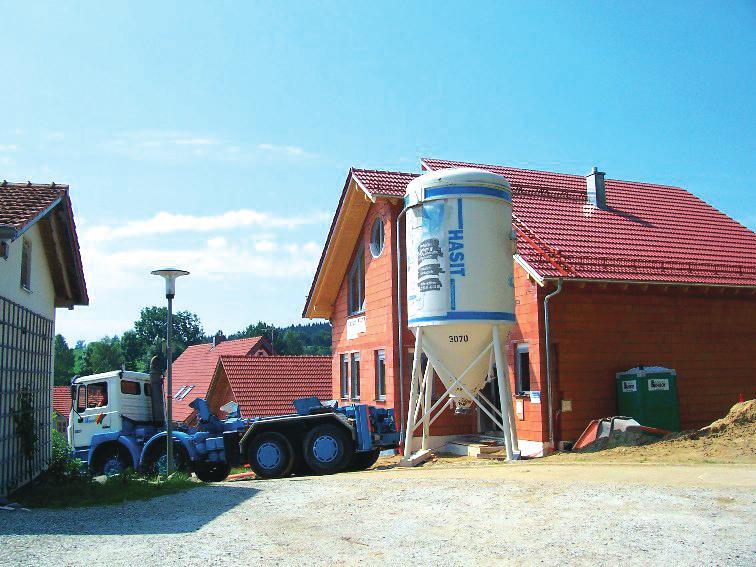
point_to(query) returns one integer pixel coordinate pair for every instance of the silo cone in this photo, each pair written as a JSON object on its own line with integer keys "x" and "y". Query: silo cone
{"x": 460, "y": 293}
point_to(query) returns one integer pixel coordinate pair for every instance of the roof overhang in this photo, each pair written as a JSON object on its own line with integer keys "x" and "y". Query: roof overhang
{"x": 345, "y": 229}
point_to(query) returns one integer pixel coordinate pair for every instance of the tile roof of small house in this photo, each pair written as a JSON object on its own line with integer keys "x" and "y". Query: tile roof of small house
{"x": 265, "y": 386}
{"x": 61, "y": 400}
{"x": 193, "y": 370}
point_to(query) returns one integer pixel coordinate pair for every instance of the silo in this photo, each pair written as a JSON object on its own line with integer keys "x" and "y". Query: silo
{"x": 460, "y": 294}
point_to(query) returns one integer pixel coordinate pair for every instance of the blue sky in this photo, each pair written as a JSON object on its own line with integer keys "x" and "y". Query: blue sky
{"x": 217, "y": 136}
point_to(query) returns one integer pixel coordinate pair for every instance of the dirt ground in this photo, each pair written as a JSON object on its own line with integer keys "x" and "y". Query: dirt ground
{"x": 454, "y": 511}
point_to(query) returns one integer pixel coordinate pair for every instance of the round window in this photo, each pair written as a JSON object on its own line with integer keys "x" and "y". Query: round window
{"x": 376, "y": 238}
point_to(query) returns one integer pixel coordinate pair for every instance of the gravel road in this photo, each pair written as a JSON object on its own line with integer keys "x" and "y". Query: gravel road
{"x": 525, "y": 514}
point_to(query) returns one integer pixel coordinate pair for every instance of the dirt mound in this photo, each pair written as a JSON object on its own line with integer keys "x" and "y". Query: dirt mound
{"x": 731, "y": 439}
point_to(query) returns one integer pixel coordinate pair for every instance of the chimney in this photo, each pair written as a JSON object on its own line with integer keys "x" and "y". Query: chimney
{"x": 218, "y": 339}
{"x": 596, "y": 188}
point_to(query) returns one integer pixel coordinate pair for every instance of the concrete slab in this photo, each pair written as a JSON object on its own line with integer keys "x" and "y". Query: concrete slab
{"x": 416, "y": 458}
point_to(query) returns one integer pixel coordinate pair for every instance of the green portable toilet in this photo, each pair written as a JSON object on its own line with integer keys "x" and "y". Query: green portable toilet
{"x": 649, "y": 394}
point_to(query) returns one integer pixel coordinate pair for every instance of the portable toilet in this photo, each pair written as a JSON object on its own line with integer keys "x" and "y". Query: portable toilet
{"x": 649, "y": 394}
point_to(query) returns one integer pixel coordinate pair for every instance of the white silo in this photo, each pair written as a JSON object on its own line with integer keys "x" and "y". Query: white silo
{"x": 460, "y": 294}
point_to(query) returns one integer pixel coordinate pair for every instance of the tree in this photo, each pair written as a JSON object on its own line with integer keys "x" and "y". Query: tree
{"x": 150, "y": 330}
{"x": 63, "y": 361}
{"x": 134, "y": 352}
{"x": 292, "y": 343}
{"x": 102, "y": 356}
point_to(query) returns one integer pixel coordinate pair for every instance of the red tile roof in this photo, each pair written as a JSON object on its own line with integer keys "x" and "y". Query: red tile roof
{"x": 265, "y": 386}
{"x": 61, "y": 400}
{"x": 387, "y": 183}
{"x": 648, "y": 232}
{"x": 195, "y": 368}
{"x": 21, "y": 203}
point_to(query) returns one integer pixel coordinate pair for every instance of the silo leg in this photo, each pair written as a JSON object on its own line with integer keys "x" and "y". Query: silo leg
{"x": 506, "y": 402}
{"x": 414, "y": 386}
{"x": 512, "y": 421}
{"x": 428, "y": 387}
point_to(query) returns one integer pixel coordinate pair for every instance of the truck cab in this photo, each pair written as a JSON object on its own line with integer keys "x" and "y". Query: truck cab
{"x": 100, "y": 403}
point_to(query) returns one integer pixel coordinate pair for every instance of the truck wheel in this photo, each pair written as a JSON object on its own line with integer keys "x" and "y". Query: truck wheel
{"x": 217, "y": 472}
{"x": 327, "y": 449}
{"x": 270, "y": 455}
{"x": 111, "y": 460}
{"x": 363, "y": 461}
{"x": 157, "y": 462}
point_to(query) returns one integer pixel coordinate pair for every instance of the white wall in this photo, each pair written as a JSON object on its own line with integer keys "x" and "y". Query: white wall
{"x": 41, "y": 298}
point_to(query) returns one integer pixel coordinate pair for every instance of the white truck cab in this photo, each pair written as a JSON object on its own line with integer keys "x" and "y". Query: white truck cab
{"x": 101, "y": 400}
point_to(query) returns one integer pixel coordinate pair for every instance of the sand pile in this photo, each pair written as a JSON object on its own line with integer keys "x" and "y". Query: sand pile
{"x": 731, "y": 439}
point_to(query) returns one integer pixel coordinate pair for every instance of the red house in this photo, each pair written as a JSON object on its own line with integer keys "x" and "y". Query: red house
{"x": 637, "y": 274}
{"x": 266, "y": 386}
{"x": 193, "y": 371}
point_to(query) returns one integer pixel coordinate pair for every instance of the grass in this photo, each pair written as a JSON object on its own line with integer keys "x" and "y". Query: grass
{"x": 84, "y": 492}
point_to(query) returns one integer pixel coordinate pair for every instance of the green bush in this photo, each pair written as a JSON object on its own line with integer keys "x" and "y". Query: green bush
{"x": 63, "y": 466}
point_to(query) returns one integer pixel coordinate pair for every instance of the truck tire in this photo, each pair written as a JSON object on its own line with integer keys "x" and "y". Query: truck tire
{"x": 111, "y": 459}
{"x": 157, "y": 460}
{"x": 270, "y": 455}
{"x": 216, "y": 472}
{"x": 363, "y": 461}
{"x": 327, "y": 449}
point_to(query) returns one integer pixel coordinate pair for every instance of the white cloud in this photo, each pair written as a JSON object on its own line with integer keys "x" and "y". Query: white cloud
{"x": 8, "y": 147}
{"x": 286, "y": 150}
{"x": 179, "y": 144}
{"x": 168, "y": 223}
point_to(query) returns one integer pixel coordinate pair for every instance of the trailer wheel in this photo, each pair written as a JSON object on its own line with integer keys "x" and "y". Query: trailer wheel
{"x": 363, "y": 461}
{"x": 327, "y": 449}
{"x": 217, "y": 472}
{"x": 270, "y": 455}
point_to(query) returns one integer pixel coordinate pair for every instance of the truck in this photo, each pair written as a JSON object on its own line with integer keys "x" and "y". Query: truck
{"x": 114, "y": 425}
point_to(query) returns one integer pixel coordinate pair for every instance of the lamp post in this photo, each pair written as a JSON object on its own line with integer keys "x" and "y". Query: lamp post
{"x": 170, "y": 275}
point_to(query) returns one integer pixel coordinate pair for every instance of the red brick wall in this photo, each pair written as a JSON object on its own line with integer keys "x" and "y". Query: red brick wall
{"x": 707, "y": 338}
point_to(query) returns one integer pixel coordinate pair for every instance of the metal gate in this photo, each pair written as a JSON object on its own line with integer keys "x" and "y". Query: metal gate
{"x": 26, "y": 369}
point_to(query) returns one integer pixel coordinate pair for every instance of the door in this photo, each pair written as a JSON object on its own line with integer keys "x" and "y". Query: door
{"x": 94, "y": 413}
{"x": 491, "y": 392}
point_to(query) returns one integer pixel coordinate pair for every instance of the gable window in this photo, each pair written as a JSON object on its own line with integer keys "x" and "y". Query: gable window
{"x": 344, "y": 375}
{"x": 355, "y": 375}
{"x": 522, "y": 369}
{"x": 26, "y": 264}
{"x": 380, "y": 374}
{"x": 376, "y": 238}
{"x": 356, "y": 282}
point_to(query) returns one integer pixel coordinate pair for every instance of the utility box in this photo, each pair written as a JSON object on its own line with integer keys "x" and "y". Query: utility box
{"x": 649, "y": 394}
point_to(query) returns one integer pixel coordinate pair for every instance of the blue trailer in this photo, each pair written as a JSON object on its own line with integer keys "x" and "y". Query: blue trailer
{"x": 112, "y": 428}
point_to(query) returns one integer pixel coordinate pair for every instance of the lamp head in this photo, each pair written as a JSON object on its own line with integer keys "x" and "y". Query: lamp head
{"x": 170, "y": 275}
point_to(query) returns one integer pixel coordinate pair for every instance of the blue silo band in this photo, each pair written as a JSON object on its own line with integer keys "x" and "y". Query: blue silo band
{"x": 466, "y": 316}
{"x": 454, "y": 190}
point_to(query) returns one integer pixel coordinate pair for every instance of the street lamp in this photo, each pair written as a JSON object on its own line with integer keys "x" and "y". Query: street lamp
{"x": 170, "y": 275}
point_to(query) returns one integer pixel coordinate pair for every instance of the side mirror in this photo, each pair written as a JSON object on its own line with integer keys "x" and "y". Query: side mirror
{"x": 73, "y": 392}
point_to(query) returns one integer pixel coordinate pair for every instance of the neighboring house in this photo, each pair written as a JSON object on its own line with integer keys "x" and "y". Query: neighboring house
{"x": 193, "y": 370}
{"x": 649, "y": 275}
{"x": 40, "y": 270}
{"x": 61, "y": 402}
{"x": 265, "y": 386}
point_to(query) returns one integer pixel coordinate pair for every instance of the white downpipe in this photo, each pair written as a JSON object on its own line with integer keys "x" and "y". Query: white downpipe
{"x": 413, "y": 393}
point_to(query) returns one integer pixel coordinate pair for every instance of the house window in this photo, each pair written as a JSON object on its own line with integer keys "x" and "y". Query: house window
{"x": 376, "y": 238}
{"x": 26, "y": 264}
{"x": 357, "y": 283}
{"x": 522, "y": 368}
{"x": 380, "y": 374}
{"x": 344, "y": 375}
{"x": 355, "y": 375}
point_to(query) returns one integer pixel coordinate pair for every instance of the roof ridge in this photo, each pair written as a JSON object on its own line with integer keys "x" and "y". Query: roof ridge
{"x": 353, "y": 168}
{"x": 545, "y": 171}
